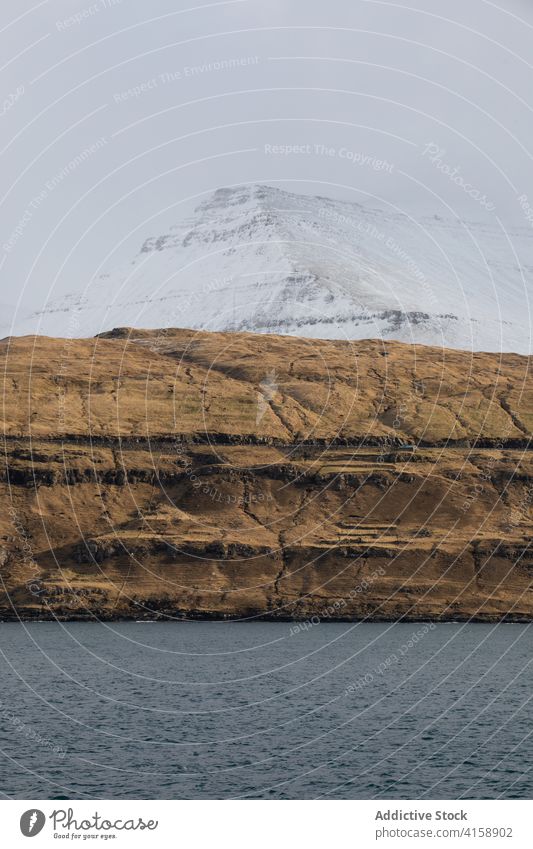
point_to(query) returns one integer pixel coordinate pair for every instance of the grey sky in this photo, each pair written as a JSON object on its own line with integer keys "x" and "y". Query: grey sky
{"x": 169, "y": 104}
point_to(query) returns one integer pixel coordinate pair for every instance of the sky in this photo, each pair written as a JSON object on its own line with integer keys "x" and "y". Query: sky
{"x": 119, "y": 116}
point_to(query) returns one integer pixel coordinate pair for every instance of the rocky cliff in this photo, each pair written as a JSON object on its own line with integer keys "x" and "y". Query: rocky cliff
{"x": 185, "y": 474}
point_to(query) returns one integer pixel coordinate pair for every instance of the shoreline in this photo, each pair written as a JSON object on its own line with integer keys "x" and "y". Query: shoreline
{"x": 488, "y": 619}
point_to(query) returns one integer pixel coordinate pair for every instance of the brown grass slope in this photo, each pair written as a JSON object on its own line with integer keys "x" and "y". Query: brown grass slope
{"x": 176, "y": 473}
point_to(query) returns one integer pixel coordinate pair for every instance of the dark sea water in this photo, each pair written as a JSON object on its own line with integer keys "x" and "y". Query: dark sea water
{"x": 260, "y": 710}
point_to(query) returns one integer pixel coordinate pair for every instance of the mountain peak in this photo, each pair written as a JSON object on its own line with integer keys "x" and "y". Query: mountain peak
{"x": 255, "y": 257}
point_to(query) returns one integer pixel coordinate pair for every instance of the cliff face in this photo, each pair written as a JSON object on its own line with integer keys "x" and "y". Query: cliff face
{"x": 175, "y": 473}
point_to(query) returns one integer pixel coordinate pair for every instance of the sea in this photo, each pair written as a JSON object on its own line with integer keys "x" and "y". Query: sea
{"x": 265, "y": 710}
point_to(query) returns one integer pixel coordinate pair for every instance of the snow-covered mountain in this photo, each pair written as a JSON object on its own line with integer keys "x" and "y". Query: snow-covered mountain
{"x": 7, "y": 311}
{"x": 261, "y": 259}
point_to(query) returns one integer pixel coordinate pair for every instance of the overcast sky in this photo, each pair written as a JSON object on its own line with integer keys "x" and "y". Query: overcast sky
{"x": 426, "y": 106}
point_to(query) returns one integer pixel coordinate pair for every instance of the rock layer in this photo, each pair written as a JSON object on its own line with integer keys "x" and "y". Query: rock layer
{"x": 179, "y": 474}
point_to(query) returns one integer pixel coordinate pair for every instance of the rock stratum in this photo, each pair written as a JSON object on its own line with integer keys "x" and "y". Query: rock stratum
{"x": 183, "y": 474}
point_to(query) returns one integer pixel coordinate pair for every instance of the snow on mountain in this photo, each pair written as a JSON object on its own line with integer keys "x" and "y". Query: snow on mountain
{"x": 7, "y": 312}
{"x": 261, "y": 259}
